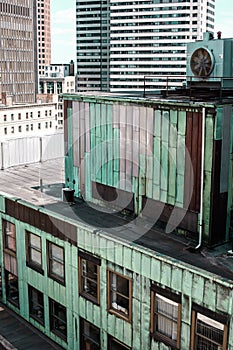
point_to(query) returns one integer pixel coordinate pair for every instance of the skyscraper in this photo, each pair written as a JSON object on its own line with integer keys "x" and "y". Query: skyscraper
{"x": 18, "y": 51}
{"x": 119, "y": 43}
{"x": 93, "y": 44}
{"x": 44, "y": 35}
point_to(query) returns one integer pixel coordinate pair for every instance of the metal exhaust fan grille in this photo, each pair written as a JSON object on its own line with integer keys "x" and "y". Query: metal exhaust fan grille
{"x": 202, "y": 62}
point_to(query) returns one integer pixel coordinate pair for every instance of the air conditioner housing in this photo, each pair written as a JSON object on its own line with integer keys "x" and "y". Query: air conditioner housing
{"x": 210, "y": 61}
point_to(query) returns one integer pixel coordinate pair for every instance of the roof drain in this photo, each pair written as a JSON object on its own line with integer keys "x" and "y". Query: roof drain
{"x": 202, "y": 179}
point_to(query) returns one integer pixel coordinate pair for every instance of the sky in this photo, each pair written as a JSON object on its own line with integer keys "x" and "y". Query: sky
{"x": 63, "y": 27}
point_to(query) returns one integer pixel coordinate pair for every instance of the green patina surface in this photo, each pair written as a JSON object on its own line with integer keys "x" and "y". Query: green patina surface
{"x": 138, "y": 146}
{"x": 141, "y": 265}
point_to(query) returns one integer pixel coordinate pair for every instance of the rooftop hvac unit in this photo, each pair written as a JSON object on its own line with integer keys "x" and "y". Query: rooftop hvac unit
{"x": 210, "y": 62}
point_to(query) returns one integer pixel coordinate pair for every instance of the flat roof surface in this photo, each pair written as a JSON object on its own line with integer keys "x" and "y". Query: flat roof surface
{"x": 21, "y": 181}
{"x": 194, "y": 97}
{"x": 20, "y": 334}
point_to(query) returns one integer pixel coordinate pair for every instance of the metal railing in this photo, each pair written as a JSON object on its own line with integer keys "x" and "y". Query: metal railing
{"x": 171, "y": 84}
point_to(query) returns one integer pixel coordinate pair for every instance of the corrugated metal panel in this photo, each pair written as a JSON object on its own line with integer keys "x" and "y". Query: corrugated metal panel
{"x": 52, "y": 146}
{"x": 21, "y": 151}
{"x": 31, "y": 150}
{"x": 147, "y": 154}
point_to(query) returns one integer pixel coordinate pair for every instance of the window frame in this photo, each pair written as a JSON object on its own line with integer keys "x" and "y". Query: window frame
{"x": 50, "y": 259}
{"x": 5, "y": 245}
{"x": 29, "y": 262}
{"x": 9, "y": 287}
{"x": 112, "y": 339}
{"x": 109, "y": 293}
{"x": 82, "y": 256}
{"x": 159, "y": 336}
{"x": 53, "y": 318}
{"x": 85, "y": 337}
{"x": 40, "y": 306}
{"x": 220, "y": 318}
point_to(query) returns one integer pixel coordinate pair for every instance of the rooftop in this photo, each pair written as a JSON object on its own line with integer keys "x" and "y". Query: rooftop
{"x": 190, "y": 95}
{"x": 15, "y": 333}
{"x": 41, "y": 184}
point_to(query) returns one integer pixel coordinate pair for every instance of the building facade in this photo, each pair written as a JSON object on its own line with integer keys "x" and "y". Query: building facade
{"x": 44, "y": 35}
{"x": 95, "y": 271}
{"x": 18, "y": 50}
{"x": 164, "y": 160}
{"x": 57, "y": 79}
{"x": 28, "y": 120}
{"x": 120, "y": 43}
{"x": 85, "y": 287}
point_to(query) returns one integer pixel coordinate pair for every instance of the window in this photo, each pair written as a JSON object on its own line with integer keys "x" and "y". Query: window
{"x": 12, "y": 130}
{"x": 119, "y": 295}
{"x": 5, "y": 117}
{"x": 12, "y": 289}
{"x": 209, "y": 330}
{"x": 19, "y": 116}
{"x": 89, "y": 279}
{"x": 39, "y": 126}
{"x": 165, "y": 316}
{"x": 27, "y": 127}
{"x": 89, "y": 336}
{"x": 56, "y": 262}
{"x": 36, "y": 304}
{"x": 12, "y": 116}
{"x": 26, "y": 115}
{"x": 20, "y": 128}
{"x": 5, "y": 131}
{"x": 57, "y": 314}
{"x": 34, "y": 251}
{"x": 9, "y": 236}
{"x": 114, "y": 344}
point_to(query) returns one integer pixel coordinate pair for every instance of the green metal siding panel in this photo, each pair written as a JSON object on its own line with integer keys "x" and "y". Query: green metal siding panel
{"x": 197, "y": 288}
{"x": 141, "y": 265}
{"x": 224, "y": 299}
{"x": 2, "y": 204}
{"x": 209, "y": 297}
{"x": 218, "y": 124}
{"x": 176, "y": 279}
{"x": 209, "y": 130}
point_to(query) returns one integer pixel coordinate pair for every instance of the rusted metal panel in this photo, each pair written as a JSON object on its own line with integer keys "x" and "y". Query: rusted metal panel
{"x": 226, "y": 149}
{"x": 76, "y": 134}
{"x": 42, "y": 221}
{"x": 188, "y": 219}
{"x": 218, "y": 203}
{"x": 113, "y": 196}
{"x": 193, "y": 161}
{"x": 65, "y": 116}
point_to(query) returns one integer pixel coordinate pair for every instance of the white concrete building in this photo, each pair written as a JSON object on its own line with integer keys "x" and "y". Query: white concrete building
{"x": 58, "y": 79}
{"x": 145, "y": 38}
{"x": 27, "y": 120}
